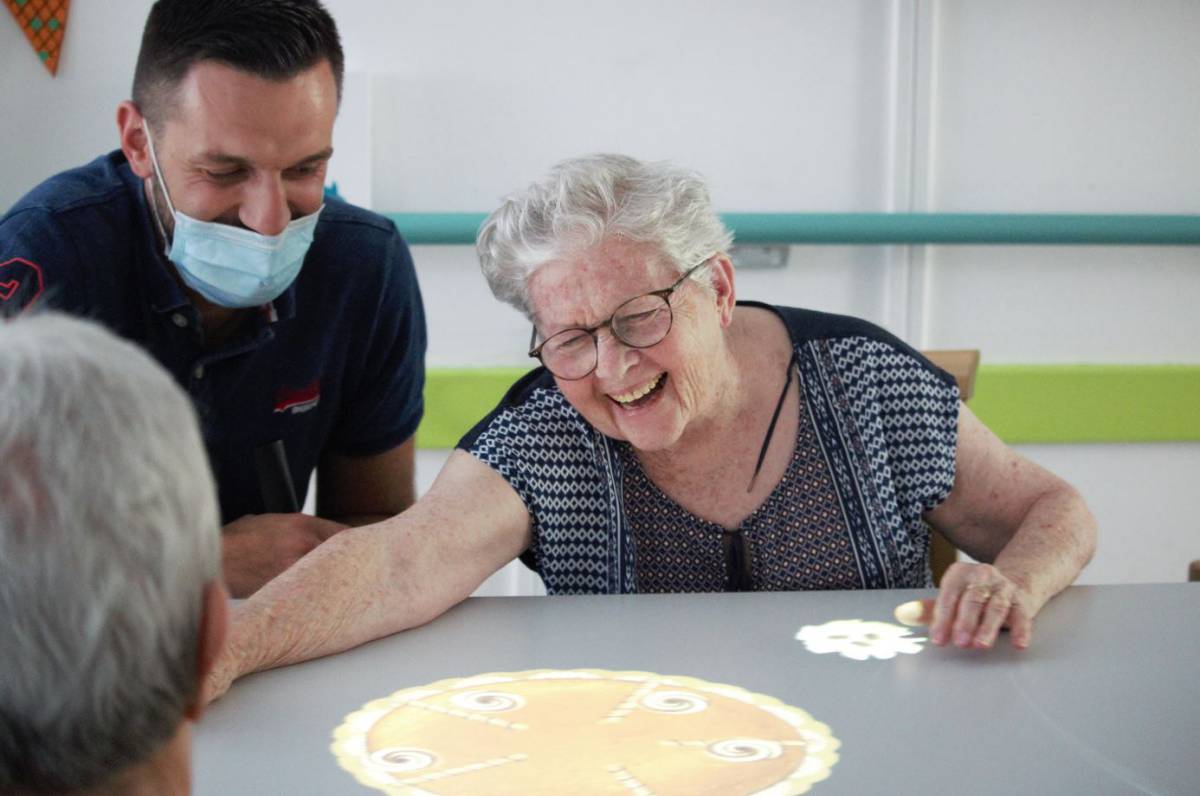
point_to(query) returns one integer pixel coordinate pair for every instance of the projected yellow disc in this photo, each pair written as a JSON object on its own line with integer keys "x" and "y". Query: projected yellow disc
{"x": 583, "y": 732}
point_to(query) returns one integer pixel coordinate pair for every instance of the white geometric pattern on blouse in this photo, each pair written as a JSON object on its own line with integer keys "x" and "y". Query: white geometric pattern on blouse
{"x": 886, "y": 423}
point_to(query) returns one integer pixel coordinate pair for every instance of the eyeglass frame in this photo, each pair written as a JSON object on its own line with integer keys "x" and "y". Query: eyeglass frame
{"x": 664, "y": 294}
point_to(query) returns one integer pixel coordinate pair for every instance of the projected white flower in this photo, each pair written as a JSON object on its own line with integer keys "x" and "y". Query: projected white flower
{"x": 854, "y": 638}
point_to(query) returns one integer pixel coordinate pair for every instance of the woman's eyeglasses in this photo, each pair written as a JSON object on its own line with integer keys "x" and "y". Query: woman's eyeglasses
{"x": 641, "y": 322}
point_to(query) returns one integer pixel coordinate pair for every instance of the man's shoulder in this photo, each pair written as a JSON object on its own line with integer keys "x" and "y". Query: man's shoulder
{"x": 350, "y": 235}
{"x": 352, "y": 241}
{"x": 70, "y": 237}
{"x": 340, "y": 218}
{"x": 105, "y": 180}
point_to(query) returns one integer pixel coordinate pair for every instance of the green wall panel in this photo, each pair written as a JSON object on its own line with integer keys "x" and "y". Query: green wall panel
{"x": 1021, "y": 403}
{"x": 458, "y": 398}
{"x": 1090, "y": 403}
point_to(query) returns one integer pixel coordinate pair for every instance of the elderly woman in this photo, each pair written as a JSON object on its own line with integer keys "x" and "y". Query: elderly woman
{"x": 676, "y": 439}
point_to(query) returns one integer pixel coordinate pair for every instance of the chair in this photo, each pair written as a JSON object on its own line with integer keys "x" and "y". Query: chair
{"x": 962, "y": 365}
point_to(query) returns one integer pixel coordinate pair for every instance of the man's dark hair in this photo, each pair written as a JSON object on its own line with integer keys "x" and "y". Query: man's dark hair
{"x": 273, "y": 39}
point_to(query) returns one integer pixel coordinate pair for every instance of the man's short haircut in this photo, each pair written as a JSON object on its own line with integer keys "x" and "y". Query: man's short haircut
{"x": 273, "y": 39}
{"x": 109, "y": 532}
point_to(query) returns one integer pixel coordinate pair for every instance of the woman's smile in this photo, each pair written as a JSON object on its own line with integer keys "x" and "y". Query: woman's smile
{"x": 640, "y": 395}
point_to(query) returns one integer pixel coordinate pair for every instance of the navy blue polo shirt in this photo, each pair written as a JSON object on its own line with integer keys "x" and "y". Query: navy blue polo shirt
{"x": 334, "y": 365}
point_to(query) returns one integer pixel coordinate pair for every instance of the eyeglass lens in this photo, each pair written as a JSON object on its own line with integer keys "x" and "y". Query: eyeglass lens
{"x": 639, "y": 323}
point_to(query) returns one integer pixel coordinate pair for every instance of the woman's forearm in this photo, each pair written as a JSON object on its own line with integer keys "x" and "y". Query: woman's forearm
{"x": 347, "y": 591}
{"x": 1053, "y": 542}
{"x": 372, "y": 581}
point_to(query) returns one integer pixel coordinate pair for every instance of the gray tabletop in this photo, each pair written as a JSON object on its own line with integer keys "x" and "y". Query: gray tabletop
{"x": 1107, "y": 700}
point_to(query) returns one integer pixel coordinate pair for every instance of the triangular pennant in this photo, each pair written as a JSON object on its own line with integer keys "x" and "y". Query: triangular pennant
{"x": 43, "y": 22}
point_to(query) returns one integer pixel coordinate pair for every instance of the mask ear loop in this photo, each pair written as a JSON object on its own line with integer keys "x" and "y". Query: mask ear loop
{"x": 762, "y": 454}
{"x": 162, "y": 183}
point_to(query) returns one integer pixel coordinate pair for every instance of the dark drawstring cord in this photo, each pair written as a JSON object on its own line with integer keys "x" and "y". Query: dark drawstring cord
{"x": 762, "y": 454}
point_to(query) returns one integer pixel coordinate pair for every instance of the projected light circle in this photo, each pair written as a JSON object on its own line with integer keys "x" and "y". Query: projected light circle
{"x": 583, "y": 731}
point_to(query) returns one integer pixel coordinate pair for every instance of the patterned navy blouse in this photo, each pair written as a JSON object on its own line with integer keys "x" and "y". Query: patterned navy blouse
{"x": 874, "y": 450}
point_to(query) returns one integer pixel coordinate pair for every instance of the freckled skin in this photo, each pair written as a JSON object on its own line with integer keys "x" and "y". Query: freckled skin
{"x": 699, "y": 443}
{"x": 584, "y": 288}
{"x": 699, "y": 437}
{"x": 693, "y": 443}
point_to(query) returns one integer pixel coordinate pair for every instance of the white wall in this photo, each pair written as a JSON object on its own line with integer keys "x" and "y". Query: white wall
{"x": 1072, "y": 106}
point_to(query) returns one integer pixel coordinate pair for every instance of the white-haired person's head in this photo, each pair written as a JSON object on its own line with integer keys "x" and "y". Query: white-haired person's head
{"x": 587, "y": 200}
{"x": 110, "y": 592}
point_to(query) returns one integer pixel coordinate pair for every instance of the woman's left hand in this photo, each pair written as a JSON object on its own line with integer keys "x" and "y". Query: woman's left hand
{"x": 1031, "y": 525}
{"x": 974, "y": 602}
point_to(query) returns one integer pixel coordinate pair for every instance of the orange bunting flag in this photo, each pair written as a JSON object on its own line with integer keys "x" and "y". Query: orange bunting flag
{"x": 43, "y": 22}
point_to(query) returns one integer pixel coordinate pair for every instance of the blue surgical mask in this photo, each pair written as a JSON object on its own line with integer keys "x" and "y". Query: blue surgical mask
{"x": 231, "y": 266}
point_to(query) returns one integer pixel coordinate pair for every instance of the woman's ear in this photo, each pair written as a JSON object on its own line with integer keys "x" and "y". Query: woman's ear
{"x": 721, "y": 270}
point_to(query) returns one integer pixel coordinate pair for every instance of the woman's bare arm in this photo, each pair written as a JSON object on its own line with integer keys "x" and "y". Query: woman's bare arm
{"x": 1031, "y": 529}
{"x": 371, "y": 581}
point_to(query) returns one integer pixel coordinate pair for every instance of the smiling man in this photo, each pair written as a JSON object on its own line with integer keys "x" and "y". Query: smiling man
{"x": 292, "y": 319}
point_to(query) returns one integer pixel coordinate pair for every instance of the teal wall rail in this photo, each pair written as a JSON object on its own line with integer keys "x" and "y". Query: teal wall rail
{"x": 887, "y": 228}
{"x": 438, "y": 228}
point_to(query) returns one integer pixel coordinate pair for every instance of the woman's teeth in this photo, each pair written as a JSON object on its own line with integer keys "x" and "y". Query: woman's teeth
{"x": 639, "y": 392}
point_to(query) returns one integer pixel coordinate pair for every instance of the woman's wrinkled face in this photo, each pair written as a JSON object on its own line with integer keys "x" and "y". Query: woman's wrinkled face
{"x": 647, "y": 396}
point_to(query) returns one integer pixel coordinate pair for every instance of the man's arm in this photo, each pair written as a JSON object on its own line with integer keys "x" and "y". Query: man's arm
{"x": 351, "y": 491}
{"x": 39, "y": 266}
{"x": 384, "y": 406}
{"x": 1031, "y": 528}
{"x": 257, "y": 547}
{"x": 357, "y": 490}
{"x": 378, "y": 579}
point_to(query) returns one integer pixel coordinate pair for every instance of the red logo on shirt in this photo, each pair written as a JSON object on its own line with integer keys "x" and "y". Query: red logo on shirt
{"x": 299, "y": 400}
{"x": 21, "y": 282}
